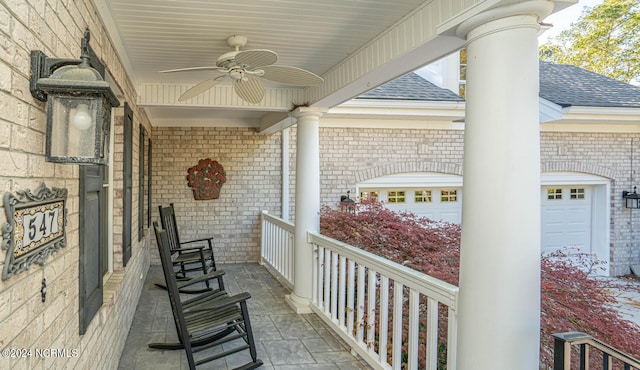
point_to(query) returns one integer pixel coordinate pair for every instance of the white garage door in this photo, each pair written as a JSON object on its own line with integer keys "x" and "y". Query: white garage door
{"x": 574, "y": 206}
{"x": 438, "y": 204}
{"x": 566, "y": 217}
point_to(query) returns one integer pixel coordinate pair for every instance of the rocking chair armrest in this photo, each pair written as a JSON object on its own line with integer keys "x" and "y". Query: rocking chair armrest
{"x": 221, "y": 302}
{"x": 212, "y": 275}
{"x": 209, "y": 239}
{"x": 196, "y": 248}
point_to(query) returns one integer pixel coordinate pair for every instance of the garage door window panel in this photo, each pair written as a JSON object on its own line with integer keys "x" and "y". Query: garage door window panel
{"x": 422, "y": 196}
{"x": 369, "y": 195}
{"x": 448, "y": 195}
{"x": 396, "y": 196}
{"x": 577, "y": 193}
{"x": 554, "y": 194}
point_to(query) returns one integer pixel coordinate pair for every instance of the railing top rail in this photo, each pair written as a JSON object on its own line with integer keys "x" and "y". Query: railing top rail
{"x": 286, "y": 225}
{"x": 577, "y": 338}
{"x": 442, "y": 291}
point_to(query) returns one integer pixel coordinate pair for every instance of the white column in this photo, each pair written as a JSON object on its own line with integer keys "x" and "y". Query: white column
{"x": 499, "y": 302}
{"x": 307, "y": 207}
{"x": 285, "y": 173}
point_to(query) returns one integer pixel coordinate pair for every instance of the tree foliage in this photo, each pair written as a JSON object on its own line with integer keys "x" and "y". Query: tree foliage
{"x": 572, "y": 299}
{"x": 605, "y": 40}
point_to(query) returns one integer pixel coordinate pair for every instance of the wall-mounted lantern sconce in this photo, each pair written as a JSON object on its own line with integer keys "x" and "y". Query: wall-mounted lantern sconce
{"x": 631, "y": 200}
{"x": 79, "y": 104}
{"x": 347, "y": 204}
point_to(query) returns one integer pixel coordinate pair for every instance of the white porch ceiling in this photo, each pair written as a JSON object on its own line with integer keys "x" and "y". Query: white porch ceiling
{"x": 355, "y": 45}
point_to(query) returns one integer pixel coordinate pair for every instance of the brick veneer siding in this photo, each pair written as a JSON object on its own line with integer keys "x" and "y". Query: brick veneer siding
{"x": 351, "y": 155}
{"x": 25, "y": 321}
{"x": 252, "y": 163}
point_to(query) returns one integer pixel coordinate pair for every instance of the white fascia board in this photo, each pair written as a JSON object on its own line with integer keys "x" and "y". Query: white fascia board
{"x": 400, "y": 109}
{"x": 595, "y": 119}
{"x": 391, "y": 123}
{"x": 227, "y": 122}
{"x": 602, "y": 114}
{"x": 549, "y": 111}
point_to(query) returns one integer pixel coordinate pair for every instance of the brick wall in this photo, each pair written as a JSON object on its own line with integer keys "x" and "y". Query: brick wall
{"x": 351, "y": 155}
{"x": 253, "y": 167}
{"x": 347, "y": 152}
{"x": 25, "y": 321}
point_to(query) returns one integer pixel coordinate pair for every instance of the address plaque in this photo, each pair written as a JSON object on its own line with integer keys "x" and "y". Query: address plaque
{"x": 35, "y": 227}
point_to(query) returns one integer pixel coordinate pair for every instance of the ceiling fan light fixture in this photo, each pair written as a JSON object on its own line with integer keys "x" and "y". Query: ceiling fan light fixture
{"x": 236, "y": 73}
{"x": 243, "y": 67}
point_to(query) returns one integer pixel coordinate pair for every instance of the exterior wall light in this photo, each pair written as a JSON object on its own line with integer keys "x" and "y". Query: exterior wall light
{"x": 79, "y": 104}
{"x": 347, "y": 204}
{"x": 631, "y": 200}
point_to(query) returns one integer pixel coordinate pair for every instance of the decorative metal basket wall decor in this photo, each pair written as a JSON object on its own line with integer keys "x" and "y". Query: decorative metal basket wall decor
{"x": 35, "y": 227}
{"x": 206, "y": 179}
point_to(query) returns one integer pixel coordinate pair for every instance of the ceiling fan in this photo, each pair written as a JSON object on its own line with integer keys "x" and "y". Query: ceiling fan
{"x": 245, "y": 68}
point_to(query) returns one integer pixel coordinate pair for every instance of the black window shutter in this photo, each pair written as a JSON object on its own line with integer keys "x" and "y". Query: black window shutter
{"x": 149, "y": 187}
{"x": 91, "y": 242}
{"x": 141, "y": 153}
{"x": 127, "y": 197}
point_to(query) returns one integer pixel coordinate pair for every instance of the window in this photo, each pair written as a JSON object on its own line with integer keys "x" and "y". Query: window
{"x": 422, "y": 196}
{"x": 395, "y": 196}
{"x": 368, "y": 195}
{"x": 462, "y": 79}
{"x": 576, "y": 193}
{"x": 448, "y": 195}
{"x": 554, "y": 193}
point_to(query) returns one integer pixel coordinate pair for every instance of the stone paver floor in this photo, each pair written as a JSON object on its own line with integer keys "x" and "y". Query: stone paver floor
{"x": 284, "y": 340}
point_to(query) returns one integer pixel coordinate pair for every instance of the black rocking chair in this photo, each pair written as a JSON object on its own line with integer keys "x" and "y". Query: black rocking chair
{"x": 189, "y": 256}
{"x": 208, "y": 320}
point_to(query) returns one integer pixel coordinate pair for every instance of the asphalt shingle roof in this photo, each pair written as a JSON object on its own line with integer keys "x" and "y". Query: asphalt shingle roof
{"x": 411, "y": 87}
{"x": 568, "y": 85}
{"x": 562, "y": 84}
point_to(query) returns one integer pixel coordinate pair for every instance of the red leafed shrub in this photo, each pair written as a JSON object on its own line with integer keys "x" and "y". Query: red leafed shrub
{"x": 572, "y": 300}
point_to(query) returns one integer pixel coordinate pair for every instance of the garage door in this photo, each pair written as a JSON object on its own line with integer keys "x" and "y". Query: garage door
{"x": 566, "y": 217}
{"x": 439, "y": 204}
{"x": 574, "y": 206}
{"x": 566, "y": 210}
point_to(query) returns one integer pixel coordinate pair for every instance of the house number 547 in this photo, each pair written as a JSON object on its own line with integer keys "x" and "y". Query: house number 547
{"x": 40, "y": 225}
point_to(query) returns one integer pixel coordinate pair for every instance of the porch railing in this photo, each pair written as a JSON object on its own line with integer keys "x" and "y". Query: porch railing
{"x": 277, "y": 247}
{"x": 563, "y": 343}
{"x": 389, "y": 314}
{"x": 392, "y": 316}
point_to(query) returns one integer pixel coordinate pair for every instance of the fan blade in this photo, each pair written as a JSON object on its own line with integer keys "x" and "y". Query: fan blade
{"x": 192, "y": 69}
{"x": 199, "y": 88}
{"x": 250, "y": 90}
{"x": 256, "y": 58}
{"x": 291, "y": 75}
